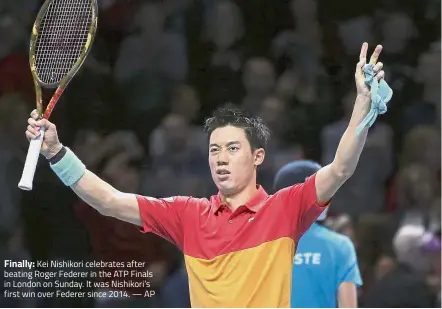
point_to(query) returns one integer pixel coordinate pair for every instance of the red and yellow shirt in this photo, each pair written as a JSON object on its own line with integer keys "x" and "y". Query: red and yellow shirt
{"x": 241, "y": 258}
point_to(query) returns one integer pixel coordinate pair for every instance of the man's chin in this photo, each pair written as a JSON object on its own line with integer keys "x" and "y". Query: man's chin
{"x": 226, "y": 188}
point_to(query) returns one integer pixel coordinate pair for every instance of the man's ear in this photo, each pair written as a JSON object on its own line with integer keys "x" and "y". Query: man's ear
{"x": 258, "y": 156}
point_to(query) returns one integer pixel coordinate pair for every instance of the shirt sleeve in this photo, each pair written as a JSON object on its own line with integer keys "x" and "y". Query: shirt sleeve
{"x": 164, "y": 217}
{"x": 300, "y": 205}
{"x": 348, "y": 267}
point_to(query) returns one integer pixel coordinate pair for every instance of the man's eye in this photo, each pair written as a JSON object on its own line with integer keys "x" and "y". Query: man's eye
{"x": 213, "y": 150}
{"x": 233, "y": 148}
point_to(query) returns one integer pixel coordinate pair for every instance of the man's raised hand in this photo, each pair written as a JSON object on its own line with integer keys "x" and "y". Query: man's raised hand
{"x": 362, "y": 88}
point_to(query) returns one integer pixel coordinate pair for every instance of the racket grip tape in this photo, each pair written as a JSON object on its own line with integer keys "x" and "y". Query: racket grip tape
{"x": 27, "y": 177}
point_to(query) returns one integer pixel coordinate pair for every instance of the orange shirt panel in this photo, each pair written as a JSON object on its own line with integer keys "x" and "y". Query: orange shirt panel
{"x": 254, "y": 277}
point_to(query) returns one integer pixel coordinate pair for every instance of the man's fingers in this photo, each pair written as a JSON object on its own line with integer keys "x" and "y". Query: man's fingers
{"x": 30, "y": 135}
{"x": 34, "y": 114}
{"x": 33, "y": 130}
{"x": 359, "y": 66}
{"x": 375, "y": 56}
{"x": 32, "y": 122}
{"x": 43, "y": 123}
{"x": 363, "y": 54}
{"x": 378, "y": 67}
{"x": 38, "y": 124}
{"x": 380, "y": 75}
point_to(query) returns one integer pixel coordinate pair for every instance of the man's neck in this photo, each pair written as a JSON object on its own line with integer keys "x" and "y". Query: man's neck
{"x": 236, "y": 200}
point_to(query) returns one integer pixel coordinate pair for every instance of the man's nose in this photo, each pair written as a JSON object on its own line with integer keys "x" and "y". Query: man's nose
{"x": 223, "y": 158}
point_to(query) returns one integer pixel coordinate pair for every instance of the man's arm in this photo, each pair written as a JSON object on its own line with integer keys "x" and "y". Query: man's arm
{"x": 90, "y": 188}
{"x": 106, "y": 199}
{"x": 331, "y": 177}
{"x": 347, "y": 295}
{"x": 160, "y": 216}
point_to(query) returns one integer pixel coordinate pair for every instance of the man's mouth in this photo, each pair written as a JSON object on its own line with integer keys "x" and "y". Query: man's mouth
{"x": 222, "y": 172}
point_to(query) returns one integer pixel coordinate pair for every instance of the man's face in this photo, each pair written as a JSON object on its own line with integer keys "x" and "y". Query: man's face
{"x": 231, "y": 160}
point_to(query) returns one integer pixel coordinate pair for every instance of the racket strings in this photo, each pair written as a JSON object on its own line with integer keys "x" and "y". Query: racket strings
{"x": 61, "y": 39}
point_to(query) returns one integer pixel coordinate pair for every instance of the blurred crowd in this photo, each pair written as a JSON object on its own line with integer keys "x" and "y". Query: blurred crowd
{"x": 133, "y": 114}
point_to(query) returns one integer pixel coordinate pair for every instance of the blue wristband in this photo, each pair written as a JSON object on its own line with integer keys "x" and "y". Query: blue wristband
{"x": 69, "y": 169}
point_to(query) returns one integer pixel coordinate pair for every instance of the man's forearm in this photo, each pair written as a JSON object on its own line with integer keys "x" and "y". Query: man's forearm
{"x": 95, "y": 192}
{"x": 351, "y": 145}
{"x": 106, "y": 199}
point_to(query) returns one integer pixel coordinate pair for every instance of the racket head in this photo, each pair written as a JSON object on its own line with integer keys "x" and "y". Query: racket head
{"x": 61, "y": 39}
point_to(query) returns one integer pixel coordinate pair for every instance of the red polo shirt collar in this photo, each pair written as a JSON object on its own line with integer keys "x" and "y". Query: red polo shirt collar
{"x": 254, "y": 204}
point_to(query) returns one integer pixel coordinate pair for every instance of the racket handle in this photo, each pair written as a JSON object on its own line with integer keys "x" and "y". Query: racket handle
{"x": 31, "y": 162}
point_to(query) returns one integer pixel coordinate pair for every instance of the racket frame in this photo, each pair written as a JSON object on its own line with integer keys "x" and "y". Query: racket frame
{"x": 62, "y": 84}
{"x": 32, "y": 156}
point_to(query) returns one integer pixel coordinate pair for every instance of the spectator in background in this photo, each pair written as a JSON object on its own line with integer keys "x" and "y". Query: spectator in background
{"x": 15, "y": 75}
{"x": 344, "y": 225}
{"x": 20, "y": 9}
{"x": 425, "y": 109}
{"x": 224, "y": 32}
{"x": 151, "y": 61}
{"x": 352, "y": 30}
{"x": 398, "y": 33}
{"x": 405, "y": 285}
{"x": 365, "y": 190}
{"x": 385, "y": 263}
{"x": 180, "y": 167}
{"x": 374, "y": 234}
{"x": 186, "y": 103}
{"x": 178, "y": 150}
{"x": 305, "y": 32}
{"x": 151, "y": 49}
{"x": 303, "y": 83}
{"x": 422, "y": 145}
{"x": 276, "y": 115}
{"x": 259, "y": 81}
{"x": 417, "y": 196}
{"x": 306, "y": 90}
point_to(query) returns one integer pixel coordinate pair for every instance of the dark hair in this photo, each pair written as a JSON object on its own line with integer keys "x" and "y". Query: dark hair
{"x": 257, "y": 132}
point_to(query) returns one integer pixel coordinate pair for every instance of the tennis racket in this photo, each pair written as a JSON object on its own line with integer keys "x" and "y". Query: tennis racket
{"x": 61, "y": 39}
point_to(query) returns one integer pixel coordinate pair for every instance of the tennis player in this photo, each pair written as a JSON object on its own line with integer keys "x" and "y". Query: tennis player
{"x": 325, "y": 268}
{"x": 238, "y": 244}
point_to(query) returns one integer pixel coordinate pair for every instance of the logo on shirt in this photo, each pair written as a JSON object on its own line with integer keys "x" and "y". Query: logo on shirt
{"x": 251, "y": 219}
{"x": 307, "y": 258}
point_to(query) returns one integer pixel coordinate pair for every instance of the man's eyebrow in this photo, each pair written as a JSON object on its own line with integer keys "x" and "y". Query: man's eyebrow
{"x": 228, "y": 144}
